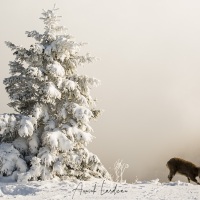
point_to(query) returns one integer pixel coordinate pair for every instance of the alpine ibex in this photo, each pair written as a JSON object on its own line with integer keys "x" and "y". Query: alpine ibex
{"x": 186, "y": 168}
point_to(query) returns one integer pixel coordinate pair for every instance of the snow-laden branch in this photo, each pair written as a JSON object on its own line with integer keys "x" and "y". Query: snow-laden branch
{"x": 12, "y": 125}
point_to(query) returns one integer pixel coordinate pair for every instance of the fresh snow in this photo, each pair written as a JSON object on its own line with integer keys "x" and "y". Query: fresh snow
{"x": 98, "y": 189}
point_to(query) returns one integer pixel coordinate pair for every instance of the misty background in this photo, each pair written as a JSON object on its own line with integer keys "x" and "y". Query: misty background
{"x": 149, "y": 68}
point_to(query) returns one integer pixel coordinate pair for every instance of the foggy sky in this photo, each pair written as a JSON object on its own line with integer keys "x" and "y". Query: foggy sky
{"x": 149, "y": 68}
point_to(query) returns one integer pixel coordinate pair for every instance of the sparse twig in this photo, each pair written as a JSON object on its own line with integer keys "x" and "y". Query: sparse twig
{"x": 119, "y": 169}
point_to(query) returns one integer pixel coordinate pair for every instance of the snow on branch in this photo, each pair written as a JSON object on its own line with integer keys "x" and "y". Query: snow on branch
{"x": 26, "y": 126}
{"x": 46, "y": 156}
{"x": 85, "y": 59}
{"x": 10, "y": 160}
{"x": 81, "y": 113}
{"x": 34, "y": 34}
{"x": 50, "y": 92}
{"x": 82, "y": 136}
{"x": 56, "y": 139}
{"x": 12, "y": 125}
{"x": 56, "y": 69}
{"x": 20, "y": 52}
{"x": 33, "y": 173}
{"x": 40, "y": 111}
{"x": 50, "y": 17}
{"x": 16, "y": 67}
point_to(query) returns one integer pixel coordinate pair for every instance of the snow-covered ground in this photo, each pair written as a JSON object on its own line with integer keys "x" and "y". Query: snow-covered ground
{"x": 99, "y": 189}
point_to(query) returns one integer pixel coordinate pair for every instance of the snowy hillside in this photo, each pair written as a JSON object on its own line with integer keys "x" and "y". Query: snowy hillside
{"x": 99, "y": 189}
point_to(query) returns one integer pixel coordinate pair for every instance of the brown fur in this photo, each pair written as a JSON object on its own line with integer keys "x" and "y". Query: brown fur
{"x": 186, "y": 168}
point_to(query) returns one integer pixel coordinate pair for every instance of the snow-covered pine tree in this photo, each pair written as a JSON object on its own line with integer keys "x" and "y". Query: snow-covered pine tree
{"x": 48, "y": 137}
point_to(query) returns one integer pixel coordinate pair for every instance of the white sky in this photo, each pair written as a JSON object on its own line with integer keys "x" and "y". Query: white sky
{"x": 149, "y": 67}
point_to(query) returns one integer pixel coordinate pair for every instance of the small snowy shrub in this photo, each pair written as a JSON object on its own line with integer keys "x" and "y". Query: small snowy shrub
{"x": 119, "y": 169}
{"x": 49, "y": 136}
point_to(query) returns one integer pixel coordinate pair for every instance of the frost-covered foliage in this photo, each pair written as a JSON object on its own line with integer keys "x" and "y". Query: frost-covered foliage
{"x": 119, "y": 168}
{"x": 10, "y": 160}
{"x": 13, "y": 125}
{"x": 49, "y": 136}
